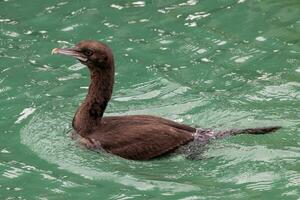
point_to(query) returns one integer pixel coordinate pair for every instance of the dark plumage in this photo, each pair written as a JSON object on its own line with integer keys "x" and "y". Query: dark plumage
{"x": 137, "y": 137}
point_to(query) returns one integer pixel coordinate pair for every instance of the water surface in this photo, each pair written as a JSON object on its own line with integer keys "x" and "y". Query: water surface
{"x": 220, "y": 64}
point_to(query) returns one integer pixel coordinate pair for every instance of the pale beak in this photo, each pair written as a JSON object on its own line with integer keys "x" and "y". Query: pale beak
{"x": 70, "y": 52}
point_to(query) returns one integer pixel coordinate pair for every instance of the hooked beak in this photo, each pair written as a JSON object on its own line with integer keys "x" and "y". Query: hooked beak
{"x": 70, "y": 52}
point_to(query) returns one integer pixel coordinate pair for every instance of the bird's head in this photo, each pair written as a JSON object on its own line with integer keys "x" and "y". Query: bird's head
{"x": 95, "y": 55}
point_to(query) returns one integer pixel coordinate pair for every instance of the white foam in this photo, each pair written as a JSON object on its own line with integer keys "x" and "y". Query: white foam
{"x": 139, "y": 3}
{"x": 242, "y": 59}
{"x": 24, "y": 114}
{"x": 4, "y": 151}
{"x": 116, "y": 6}
{"x": 205, "y": 60}
{"x": 76, "y": 67}
{"x": 200, "y": 51}
{"x": 221, "y": 43}
{"x": 260, "y": 38}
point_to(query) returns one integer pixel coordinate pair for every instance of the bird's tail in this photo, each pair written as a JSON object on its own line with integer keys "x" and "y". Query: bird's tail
{"x": 205, "y": 135}
{"x": 254, "y": 131}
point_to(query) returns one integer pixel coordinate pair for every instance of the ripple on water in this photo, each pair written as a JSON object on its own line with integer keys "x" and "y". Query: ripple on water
{"x": 158, "y": 88}
{"x": 135, "y": 4}
{"x": 46, "y": 135}
{"x": 11, "y": 34}
{"x": 70, "y": 77}
{"x": 20, "y": 172}
{"x": 284, "y": 92}
{"x": 77, "y": 67}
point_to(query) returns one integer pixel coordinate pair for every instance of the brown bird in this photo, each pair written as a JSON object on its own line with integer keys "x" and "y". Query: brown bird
{"x": 136, "y": 137}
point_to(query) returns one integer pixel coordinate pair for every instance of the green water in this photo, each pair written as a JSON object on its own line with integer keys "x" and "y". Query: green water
{"x": 208, "y": 63}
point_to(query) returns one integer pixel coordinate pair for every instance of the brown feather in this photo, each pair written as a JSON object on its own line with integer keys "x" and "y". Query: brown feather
{"x": 141, "y": 137}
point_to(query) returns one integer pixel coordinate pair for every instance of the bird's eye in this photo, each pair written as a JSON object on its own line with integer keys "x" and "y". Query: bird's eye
{"x": 88, "y": 52}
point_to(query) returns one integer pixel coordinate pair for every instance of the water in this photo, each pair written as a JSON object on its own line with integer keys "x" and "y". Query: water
{"x": 219, "y": 64}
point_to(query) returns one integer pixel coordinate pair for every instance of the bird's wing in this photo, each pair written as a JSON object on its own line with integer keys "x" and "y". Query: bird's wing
{"x": 142, "y": 142}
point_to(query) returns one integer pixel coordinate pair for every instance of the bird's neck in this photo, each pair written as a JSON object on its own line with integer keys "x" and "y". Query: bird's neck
{"x": 91, "y": 110}
{"x": 99, "y": 93}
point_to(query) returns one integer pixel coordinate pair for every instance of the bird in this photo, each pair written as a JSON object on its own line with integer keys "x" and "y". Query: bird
{"x": 133, "y": 137}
